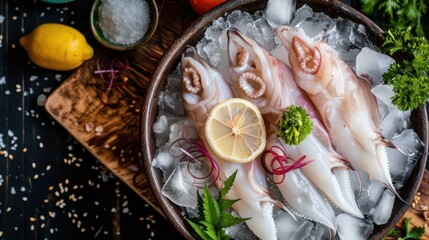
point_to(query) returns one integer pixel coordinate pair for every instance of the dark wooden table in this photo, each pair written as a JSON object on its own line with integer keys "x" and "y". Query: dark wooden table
{"x": 51, "y": 187}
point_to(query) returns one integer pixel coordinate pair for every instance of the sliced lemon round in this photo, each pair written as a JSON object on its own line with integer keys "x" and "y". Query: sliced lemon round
{"x": 235, "y": 130}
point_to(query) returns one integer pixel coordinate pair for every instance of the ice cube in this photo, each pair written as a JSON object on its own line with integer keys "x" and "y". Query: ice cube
{"x": 382, "y": 212}
{"x": 286, "y": 224}
{"x": 303, "y": 231}
{"x": 349, "y": 56}
{"x": 358, "y": 37}
{"x": 301, "y": 14}
{"x": 317, "y": 26}
{"x": 179, "y": 188}
{"x": 171, "y": 102}
{"x": 264, "y": 34}
{"x": 279, "y": 12}
{"x": 216, "y": 29}
{"x": 371, "y": 65}
{"x": 241, "y": 231}
{"x": 320, "y": 232}
{"x": 200, "y": 47}
{"x": 384, "y": 92}
{"x": 359, "y": 181}
{"x": 161, "y": 126}
{"x": 239, "y": 18}
{"x": 397, "y": 166}
{"x": 184, "y": 128}
{"x": 164, "y": 161}
{"x": 174, "y": 81}
{"x": 394, "y": 124}
{"x": 212, "y": 50}
{"x": 383, "y": 109}
{"x": 339, "y": 39}
{"x": 351, "y": 228}
{"x": 370, "y": 196}
{"x": 409, "y": 142}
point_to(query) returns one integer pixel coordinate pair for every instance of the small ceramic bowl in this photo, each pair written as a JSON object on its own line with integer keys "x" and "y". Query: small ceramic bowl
{"x": 98, "y": 33}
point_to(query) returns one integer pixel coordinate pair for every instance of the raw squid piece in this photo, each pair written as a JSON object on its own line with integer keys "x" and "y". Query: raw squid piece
{"x": 203, "y": 88}
{"x": 301, "y": 196}
{"x": 269, "y": 84}
{"x": 347, "y": 107}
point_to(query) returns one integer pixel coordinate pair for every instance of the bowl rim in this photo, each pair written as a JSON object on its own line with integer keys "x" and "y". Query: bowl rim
{"x": 98, "y": 35}
{"x": 169, "y": 61}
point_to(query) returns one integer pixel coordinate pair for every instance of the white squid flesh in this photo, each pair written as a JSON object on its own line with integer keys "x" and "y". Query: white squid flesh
{"x": 281, "y": 91}
{"x": 347, "y": 107}
{"x": 203, "y": 88}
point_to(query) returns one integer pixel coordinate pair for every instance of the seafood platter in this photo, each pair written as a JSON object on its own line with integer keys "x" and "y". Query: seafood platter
{"x": 352, "y": 177}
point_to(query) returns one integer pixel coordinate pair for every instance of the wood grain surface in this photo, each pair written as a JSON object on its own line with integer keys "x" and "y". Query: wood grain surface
{"x": 104, "y": 116}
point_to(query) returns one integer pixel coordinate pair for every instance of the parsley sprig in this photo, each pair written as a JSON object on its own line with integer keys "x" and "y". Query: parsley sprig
{"x": 295, "y": 125}
{"x": 214, "y": 215}
{"x": 399, "y": 13}
{"x": 407, "y": 231}
{"x": 409, "y": 76}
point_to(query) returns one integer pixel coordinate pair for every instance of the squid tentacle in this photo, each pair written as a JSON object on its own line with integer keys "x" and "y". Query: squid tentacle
{"x": 191, "y": 80}
{"x": 252, "y": 85}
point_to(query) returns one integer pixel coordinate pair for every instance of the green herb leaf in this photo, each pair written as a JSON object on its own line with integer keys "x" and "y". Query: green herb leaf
{"x": 369, "y": 6}
{"x": 412, "y": 233}
{"x": 392, "y": 233}
{"x": 294, "y": 126}
{"x": 214, "y": 215}
{"x": 397, "y": 13}
{"x": 410, "y": 75}
{"x": 407, "y": 232}
{"x": 199, "y": 229}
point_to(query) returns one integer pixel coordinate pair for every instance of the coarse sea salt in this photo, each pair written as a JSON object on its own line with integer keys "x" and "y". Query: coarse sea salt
{"x": 124, "y": 21}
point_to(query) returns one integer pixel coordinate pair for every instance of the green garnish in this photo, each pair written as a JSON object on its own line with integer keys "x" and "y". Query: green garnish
{"x": 410, "y": 76}
{"x": 214, "y": 215}
{"x": 391, "y": 233}
{"x": 294, "y": 126}
{"x": 408, "y": 231}
{"x": 414, "y": 232}
{"x": 397, "y": 13}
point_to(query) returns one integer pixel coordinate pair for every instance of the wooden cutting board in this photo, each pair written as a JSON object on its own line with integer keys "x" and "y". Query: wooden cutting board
{"x": 104, "y": 116}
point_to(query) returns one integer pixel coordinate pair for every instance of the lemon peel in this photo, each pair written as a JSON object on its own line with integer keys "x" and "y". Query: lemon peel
{"x": 56, "y": 46}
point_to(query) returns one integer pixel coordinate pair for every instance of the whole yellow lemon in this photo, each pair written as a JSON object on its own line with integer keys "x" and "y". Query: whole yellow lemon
{"x": 56, "y": 46}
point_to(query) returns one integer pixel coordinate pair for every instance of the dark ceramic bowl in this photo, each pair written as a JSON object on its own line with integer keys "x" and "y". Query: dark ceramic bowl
{"x": 98, "y": 33}
{"x": 170, "y": 60}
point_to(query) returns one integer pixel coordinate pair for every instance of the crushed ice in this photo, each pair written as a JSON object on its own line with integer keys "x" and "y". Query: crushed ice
{"x": 351, "y": 42}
